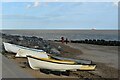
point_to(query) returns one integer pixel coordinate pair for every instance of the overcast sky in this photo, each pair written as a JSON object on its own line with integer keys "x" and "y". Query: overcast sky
{"x": 59, "y": 15}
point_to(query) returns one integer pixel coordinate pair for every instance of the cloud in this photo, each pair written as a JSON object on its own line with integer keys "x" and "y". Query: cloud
{"x": 116, "y": 2}
{"x": 36, "y": 3}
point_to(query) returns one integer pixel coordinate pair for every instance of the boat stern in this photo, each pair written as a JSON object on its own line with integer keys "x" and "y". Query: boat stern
{"x": 87, "y": 67}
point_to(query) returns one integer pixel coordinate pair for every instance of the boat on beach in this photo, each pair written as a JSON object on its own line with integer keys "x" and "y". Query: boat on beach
{"x": 25, "y": 52}
{"x": 15, "y": 48}
{"x": 11, "y": 47}
{"x": 80, "y": 61}
{"x": 57, "y": 65}
{"x": 22, "y": 51}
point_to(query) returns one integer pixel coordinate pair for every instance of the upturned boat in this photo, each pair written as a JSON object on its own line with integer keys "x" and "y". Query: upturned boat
{"x": 57, "y": 65}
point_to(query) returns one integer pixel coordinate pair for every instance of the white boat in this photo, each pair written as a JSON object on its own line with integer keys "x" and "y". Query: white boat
{"x": 11, "y": 47}
{"x": 25, "y": 52}
{"x": 15, "y": 48}
{"x": 56, "y": 65}
{"x": 80, "y": 61}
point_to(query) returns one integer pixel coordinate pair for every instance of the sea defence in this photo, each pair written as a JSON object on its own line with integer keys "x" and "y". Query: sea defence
{"x": 95, "y": 41}
{"x": 45, "y": 45}
{"x": 31, "y": 42}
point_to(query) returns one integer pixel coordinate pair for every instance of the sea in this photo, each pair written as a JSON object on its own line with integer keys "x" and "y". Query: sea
{"x": 70, "y": 34}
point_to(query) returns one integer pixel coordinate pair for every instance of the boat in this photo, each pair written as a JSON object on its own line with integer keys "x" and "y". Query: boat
{"x": 10, "y": 47}
{"x": 25, "y": 52}
{"x": 15, "y": 48}
{"x": 57, "y": 65}
{"x": 80, "y": 61}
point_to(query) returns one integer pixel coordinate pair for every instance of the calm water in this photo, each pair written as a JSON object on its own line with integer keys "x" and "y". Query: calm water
{"x": 70, "y": 34}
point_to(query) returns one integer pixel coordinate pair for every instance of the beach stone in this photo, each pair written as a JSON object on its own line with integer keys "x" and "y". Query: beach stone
{"x": 36, "y": 47}
{"x": 54, "y": 51}
{"x": 59, "y": 48}
{"x": 21, "y": 38}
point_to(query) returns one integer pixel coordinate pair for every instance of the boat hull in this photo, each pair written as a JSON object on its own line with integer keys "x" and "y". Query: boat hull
{"x": 37, "y": 64}
{"x": 24, "y": 53}
{"x": 80, "y": 61}
{"x": 11, "y": 47}
{"x": 15, "y": 48}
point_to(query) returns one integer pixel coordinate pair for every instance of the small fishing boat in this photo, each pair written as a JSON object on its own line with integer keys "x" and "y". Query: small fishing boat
{"x": 57, "y": 65}
{"x": 25, "y": 52}
{"x": 11, "y": 47}
{"x": 15, "y": 48}
{"x": 80, "y": 61}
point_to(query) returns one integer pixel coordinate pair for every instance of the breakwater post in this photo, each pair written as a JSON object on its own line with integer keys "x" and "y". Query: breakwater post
{"x": 96, "y": 42}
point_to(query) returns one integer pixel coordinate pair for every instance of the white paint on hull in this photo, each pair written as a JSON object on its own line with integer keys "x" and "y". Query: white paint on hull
{"x": 40, "y": 64}
{"x": 10, "y": 47}
{"x": 24, "y": 53}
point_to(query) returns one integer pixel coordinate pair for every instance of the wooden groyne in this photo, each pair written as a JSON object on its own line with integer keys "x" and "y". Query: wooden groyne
{"x": 95, "y": 41}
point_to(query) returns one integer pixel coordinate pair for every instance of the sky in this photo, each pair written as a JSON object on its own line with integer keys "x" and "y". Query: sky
{"x": 59, "y": 15}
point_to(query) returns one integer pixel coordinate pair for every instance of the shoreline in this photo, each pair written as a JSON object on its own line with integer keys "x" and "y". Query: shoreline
{"x": 96, "y": 41}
